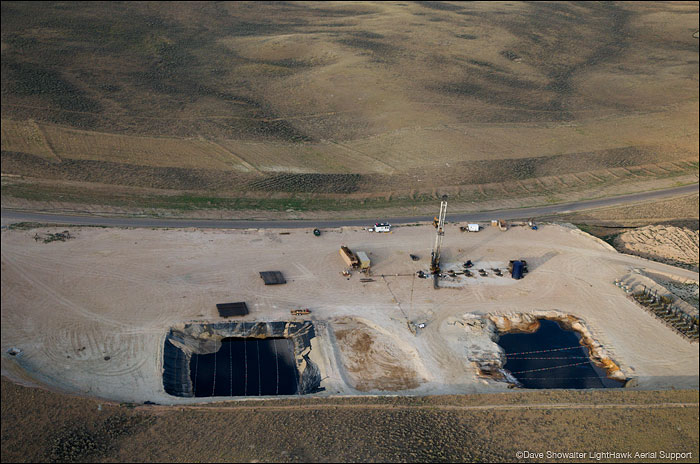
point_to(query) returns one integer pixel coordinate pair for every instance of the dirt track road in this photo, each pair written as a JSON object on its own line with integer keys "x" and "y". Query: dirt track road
{"x": 441, "y": 407}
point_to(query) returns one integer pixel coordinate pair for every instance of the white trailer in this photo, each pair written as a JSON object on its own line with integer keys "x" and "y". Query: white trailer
{"x": 473, "y": 227}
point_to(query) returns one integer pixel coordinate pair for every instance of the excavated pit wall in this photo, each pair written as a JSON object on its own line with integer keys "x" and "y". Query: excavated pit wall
{"x": 529, "y": 323}
{"x": 205, "y": 338}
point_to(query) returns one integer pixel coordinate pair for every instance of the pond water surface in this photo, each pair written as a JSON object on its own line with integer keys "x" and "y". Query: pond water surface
{"x": 552, "y": 357}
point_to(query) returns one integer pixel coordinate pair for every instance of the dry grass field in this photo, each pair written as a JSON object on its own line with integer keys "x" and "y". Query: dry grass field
{"x": 492, "y": 427}
{"x": 392, "y": 100}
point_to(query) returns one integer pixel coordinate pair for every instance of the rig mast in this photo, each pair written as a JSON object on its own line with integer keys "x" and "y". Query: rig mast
{"x": 435, "y": 255}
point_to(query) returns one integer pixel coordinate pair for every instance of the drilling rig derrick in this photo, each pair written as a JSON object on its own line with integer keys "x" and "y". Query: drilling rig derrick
{"x": 435, "y": 255}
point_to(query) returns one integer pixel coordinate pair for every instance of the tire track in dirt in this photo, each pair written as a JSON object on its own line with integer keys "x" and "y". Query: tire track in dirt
{"x": 235, "y": 157}
{"x": 70, "y": 305}
{"x": 388, "y": 169}
{"x": 84, "y": 348}
{"x": 438, "y": 407}
{"x": 82, "y": 344}
{"x": 190, "y": 118}
{"x": 49, "y": 265}
{"x": 49, "y": 147}
{"x": 132, "y": 276}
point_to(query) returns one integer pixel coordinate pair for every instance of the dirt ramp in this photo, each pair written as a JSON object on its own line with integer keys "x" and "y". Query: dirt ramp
{"x": 373, "y": 359}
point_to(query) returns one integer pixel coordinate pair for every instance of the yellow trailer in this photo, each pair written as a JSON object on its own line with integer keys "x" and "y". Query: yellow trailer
{"x": 349, "y": 257}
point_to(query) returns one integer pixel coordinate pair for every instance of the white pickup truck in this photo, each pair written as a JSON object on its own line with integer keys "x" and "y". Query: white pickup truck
{"x": 380, "y": 227}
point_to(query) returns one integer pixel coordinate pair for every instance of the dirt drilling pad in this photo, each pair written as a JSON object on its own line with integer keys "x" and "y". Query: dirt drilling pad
{"x": 91, "y": 314}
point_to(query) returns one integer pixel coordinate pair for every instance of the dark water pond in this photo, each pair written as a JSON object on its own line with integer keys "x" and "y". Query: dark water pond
{"x": 246, "y": 367}
{"x": 552, "y": 357}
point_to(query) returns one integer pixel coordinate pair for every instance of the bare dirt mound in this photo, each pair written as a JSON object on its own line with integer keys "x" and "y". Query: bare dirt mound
{"x": 661, "y": 243}
{"x": 374, "y": 359}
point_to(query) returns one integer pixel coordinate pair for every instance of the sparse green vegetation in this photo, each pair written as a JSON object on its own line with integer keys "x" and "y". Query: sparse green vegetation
{"x": 39, "y": 225}
{"x": 82, "y": 443}
{"x": 601, "y": 232}
{"x": 192, "y": 202}
{"x": 312, "y": 183}
{"x": 27, "y": 225}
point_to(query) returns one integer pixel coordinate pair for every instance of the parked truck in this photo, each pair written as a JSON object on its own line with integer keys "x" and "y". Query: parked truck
{"x": 470, "y": 228}
{"x": 381, "y": 227}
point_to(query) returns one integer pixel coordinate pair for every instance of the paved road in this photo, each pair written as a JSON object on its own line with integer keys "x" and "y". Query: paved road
{"x": 521, "y": 213}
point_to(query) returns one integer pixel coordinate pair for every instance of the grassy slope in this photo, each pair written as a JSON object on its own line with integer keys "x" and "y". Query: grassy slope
{"x": 393, "y": 100}
{"x": 358, "y": 429}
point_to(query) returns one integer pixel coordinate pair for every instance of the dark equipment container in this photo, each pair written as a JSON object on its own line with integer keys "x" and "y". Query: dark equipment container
{"x": 517, "y": 272}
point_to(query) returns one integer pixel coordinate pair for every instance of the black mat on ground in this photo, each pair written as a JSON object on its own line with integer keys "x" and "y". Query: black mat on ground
{"x": 232, "y": 309}
{"x": 175, "y": 372}
{"x": 273, "y": 277}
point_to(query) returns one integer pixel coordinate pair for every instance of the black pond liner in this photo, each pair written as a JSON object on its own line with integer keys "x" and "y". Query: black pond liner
{"x": 240, "y": 359}
{"x": 246, "y": 367}
{"x": 552, "y": 357}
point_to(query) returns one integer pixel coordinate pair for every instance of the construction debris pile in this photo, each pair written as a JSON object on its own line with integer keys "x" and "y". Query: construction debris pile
{"x": 56, "y": 237}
